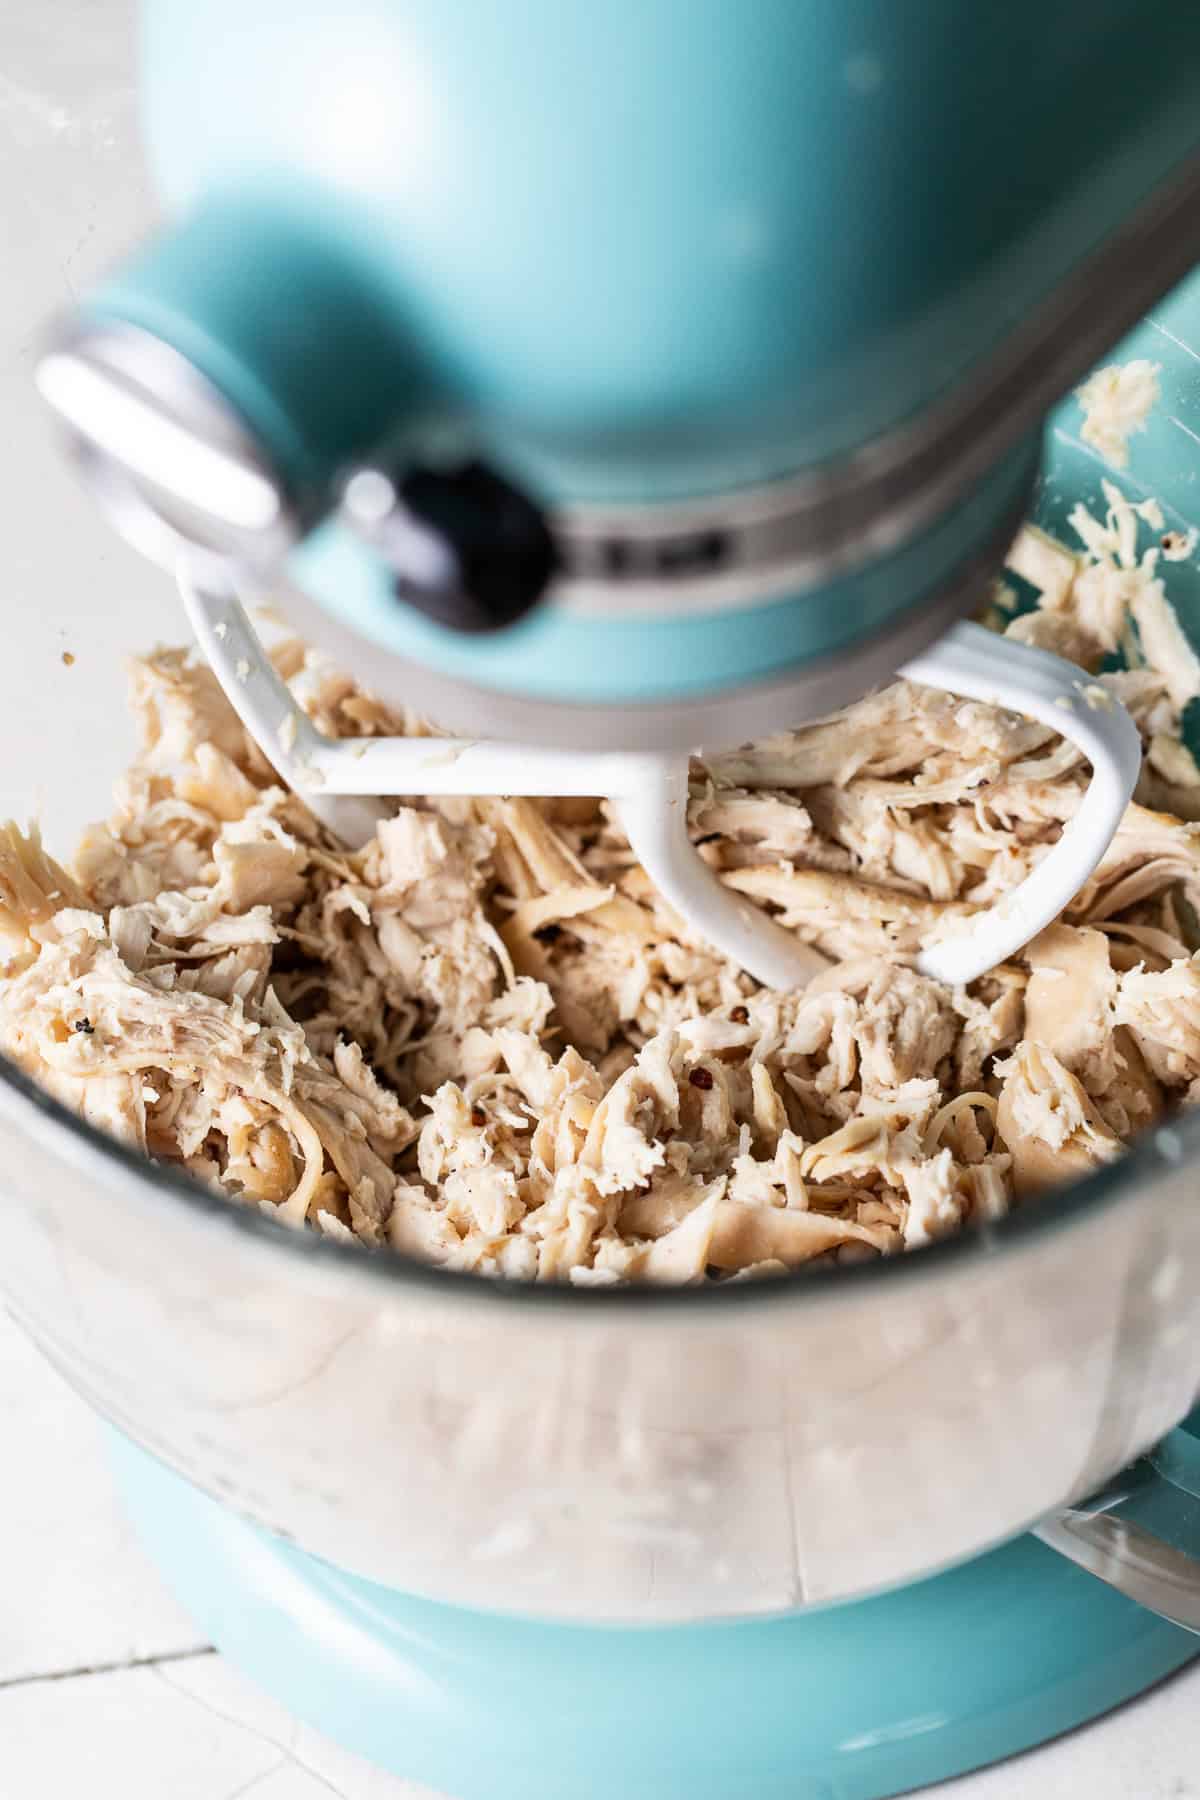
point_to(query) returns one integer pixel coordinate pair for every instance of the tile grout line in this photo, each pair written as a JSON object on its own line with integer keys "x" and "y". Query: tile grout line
{"x": 109, "y": 1668}
{"x": 290, "y": 1754}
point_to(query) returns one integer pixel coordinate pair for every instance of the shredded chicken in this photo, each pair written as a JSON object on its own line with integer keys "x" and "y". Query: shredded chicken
{"x": 1116, "y": 403}
{"x": 487, "y": 1042}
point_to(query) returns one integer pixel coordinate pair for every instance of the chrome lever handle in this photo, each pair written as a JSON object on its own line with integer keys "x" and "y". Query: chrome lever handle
{"x": 1142, "y": 1536}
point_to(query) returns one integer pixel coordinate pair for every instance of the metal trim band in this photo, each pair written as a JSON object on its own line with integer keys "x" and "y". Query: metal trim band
{"x": 737, "y": 549}
{"x": 710, "y": 720}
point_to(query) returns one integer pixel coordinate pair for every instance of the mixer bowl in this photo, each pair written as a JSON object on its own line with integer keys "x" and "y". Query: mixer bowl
{"x": 627, "y": 1456}
{"x": 604, "y": 1455}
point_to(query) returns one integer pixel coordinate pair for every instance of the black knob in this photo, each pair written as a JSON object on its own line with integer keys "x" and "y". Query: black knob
{"x": 466, "y": 547}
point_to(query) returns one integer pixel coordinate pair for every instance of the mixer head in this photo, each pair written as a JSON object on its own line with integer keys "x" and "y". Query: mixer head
{"x": 609, "y": 416}
{"x": 656, "y": 624}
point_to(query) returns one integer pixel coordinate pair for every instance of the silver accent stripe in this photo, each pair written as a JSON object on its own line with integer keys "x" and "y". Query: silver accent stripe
{"x": 710, "y": 721}
{"x": 798, "y": 533}
{"x": 726, "y": 551}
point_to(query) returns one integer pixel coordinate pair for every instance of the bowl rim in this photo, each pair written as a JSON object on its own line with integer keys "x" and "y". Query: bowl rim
{"x": 1156, "y": 1153}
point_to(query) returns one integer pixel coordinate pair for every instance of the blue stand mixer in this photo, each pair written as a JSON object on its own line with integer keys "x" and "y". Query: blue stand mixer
{"x": 616, "y": 382}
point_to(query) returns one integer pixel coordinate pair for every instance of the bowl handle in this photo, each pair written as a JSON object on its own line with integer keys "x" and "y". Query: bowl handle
{"x": 1141, "y": 1535}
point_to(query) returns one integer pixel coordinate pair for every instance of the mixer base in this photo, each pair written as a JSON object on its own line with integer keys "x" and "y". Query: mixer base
{"x": 852, "y": 1702}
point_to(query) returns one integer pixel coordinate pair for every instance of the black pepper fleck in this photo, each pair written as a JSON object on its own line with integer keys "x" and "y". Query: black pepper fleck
{"x": 548, "y": 934}
{"x": 85, "y": 1026}
{"x": 701, "y": 1078}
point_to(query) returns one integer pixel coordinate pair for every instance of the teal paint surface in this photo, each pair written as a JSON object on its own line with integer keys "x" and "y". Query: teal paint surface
{"x": 257, "y": 301}
{"x": 609, "y": 659}
{"x": 560, "y": 657}
{"x": 663, "y": 245}
{"x": 852, "y": 1702}
{"x": 634, "y": 249}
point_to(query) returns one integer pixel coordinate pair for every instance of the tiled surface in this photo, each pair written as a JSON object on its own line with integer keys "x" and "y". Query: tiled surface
{"x": 106, "y": 1689}
{"x": 154, "y": 1714}
{"x": 160, "y": 1717}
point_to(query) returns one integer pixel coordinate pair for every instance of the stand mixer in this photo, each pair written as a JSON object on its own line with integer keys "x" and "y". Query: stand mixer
{"x": 615, "y": 386}
{"x": 639, "y": 428}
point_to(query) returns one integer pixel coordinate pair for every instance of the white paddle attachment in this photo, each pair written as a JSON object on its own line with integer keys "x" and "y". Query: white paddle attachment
{"x": 342, "y": 780}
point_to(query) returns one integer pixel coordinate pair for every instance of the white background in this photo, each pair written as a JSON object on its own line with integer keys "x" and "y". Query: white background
{"x": 104, "y": 1688}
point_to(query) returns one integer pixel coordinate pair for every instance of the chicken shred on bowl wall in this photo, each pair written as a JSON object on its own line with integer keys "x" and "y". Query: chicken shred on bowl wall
{"x": 486, "y": 1041}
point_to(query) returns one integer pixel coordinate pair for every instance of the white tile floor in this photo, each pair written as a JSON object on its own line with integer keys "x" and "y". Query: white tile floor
{"x": 105, "y": 1688}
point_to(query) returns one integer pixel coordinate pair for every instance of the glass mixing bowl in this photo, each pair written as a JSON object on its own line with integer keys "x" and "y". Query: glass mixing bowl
{"x": 600, "y": 1455}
